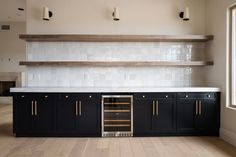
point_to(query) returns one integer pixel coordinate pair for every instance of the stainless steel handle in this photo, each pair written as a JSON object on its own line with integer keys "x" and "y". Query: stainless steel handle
{"x": 153, "y": 108}
{"x": 200, "y": 107}
{"x": 32, "y": 108}
{"x": 76, "y": 108}
{"x": 80, "y": 108}
{"x": 196, "y": 106}
{"x": 36, "y": 108}
{"x": 157, "y": 108}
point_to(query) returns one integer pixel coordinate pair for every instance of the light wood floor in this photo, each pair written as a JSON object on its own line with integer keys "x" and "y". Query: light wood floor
{"x": 107, "y": 147}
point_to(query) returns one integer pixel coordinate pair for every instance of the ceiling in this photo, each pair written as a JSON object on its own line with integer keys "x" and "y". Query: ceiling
{"x": 9, "y": 10}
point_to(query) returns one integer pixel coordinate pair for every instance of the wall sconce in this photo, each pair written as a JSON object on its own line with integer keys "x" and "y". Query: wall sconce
{"x": 47, "y": 14}
{"x": 185, "y": 15}
{"x": 116, "y": 14}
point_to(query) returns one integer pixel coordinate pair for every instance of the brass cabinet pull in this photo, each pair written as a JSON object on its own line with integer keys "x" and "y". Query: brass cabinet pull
{"x": 36, "y": 108}
{"x": 157, "y": 108}
{"x": 80, "y": 108}
{"x": 76, "y": 108}
{"x": 153, "y": 108}
{"x": 200, "y": 107}
{"x": 32, "y": 108}
{"x": 196, "y": 105}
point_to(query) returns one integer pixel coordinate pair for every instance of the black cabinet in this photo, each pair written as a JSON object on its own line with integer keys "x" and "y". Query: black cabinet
{"x": 23, "y": 113}
{"x": 154, "y": 114}
{"x": 198, "y": 113}
{"x": 44, "y": 113}
{"x": 164, "y": 119}
{"x": 40, "y": 114}
{"x": 89, "y": 115}
{"x": 207, "y": 118}
{"x": 35, "y": 113}
{"x": 143, "y": 116}
{"x": 66, "y": 113}
{"x": 79, "y": 114}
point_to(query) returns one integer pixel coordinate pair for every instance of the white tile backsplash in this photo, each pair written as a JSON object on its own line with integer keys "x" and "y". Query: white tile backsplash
{"x": 67, "y": 76}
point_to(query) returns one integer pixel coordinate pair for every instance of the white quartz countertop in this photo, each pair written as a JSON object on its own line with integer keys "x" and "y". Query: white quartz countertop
{"x": 112, "y": 89}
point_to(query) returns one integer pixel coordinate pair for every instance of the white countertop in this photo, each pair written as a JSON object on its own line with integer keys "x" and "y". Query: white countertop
{"x": 112, "y": 89}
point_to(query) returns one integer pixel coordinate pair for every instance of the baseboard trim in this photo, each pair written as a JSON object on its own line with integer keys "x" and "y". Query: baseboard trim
{"x": 228, "y": 136}
{"x": 6, "y": 100}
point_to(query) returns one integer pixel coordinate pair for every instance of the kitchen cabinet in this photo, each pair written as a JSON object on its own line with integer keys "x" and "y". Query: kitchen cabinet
{"x": 198, "y": 113}
{"x": 66, "y": 113}
{"x": 164, "y": 119}
{"x": 89, "y": 115}
{"x": 154, "y": 114}
{"x": 56, "y": 114}
{"x": 79, "y": 114}
{"x": 142, "y": 116}
{"x": 35, "y": 113}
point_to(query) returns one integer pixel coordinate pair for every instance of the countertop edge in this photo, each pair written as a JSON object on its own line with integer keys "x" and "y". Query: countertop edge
{"x": 114, "y": 90}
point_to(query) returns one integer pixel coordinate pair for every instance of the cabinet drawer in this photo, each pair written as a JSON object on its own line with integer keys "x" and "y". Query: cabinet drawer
{"x": 78, "y": 96}
{"x": 44, "y": 96}
{"x": 154, "y": 95}
{"x": 23, "y": 96}
{"x": 88, "y": 96}
{"x": 204, "y": 95}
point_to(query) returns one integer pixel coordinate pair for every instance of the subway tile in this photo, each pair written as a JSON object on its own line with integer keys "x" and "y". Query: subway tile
{"x": 114, "y": 76}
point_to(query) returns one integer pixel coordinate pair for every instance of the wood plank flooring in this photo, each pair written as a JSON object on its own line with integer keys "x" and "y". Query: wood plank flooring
{"x": 107, "y": 147}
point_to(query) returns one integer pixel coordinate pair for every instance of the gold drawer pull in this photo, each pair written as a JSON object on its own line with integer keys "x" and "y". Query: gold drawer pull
{"x": 196, "y": 106}
{"x": 46, "y": 96}
{"x": 157, "y": 108}
{"x": 66, "y": 96}
{"x": 80, "y": 108}
{"x": 76, "y": 108}
{"x": 32, "y": 108}
{"x": 200, "y": 107}
{"x": 36, "y": 108}
{"x": 153, "y": 108}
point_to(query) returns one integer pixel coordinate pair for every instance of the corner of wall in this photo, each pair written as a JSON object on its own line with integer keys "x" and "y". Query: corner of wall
{"x": 228, "y": 136}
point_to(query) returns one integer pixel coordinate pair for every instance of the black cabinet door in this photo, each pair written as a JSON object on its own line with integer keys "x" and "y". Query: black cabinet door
{"x": 66, "y": 113}
{"x": 45, "y": 113}
{"x": 186, "y": 113}
{"x": 88, "y": 117}
{"x": 164, "y": 119}
{"x": 24, "y": 107}
{"x": 143, "y": 116}
{"x": 206, "y": 121}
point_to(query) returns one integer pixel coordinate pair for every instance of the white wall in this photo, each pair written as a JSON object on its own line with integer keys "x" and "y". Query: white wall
{"x": 12, "y": 49}
{"x": 137, "y": 17}
{"x": 216, "y": 25}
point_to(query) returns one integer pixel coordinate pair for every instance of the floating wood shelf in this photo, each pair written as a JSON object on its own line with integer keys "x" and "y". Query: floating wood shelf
{"x": 115, "y": 38}
{"x": 116, "y": 63}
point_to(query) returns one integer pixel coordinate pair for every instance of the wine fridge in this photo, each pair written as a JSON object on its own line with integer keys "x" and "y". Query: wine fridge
{"x": 117, "y": 115}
